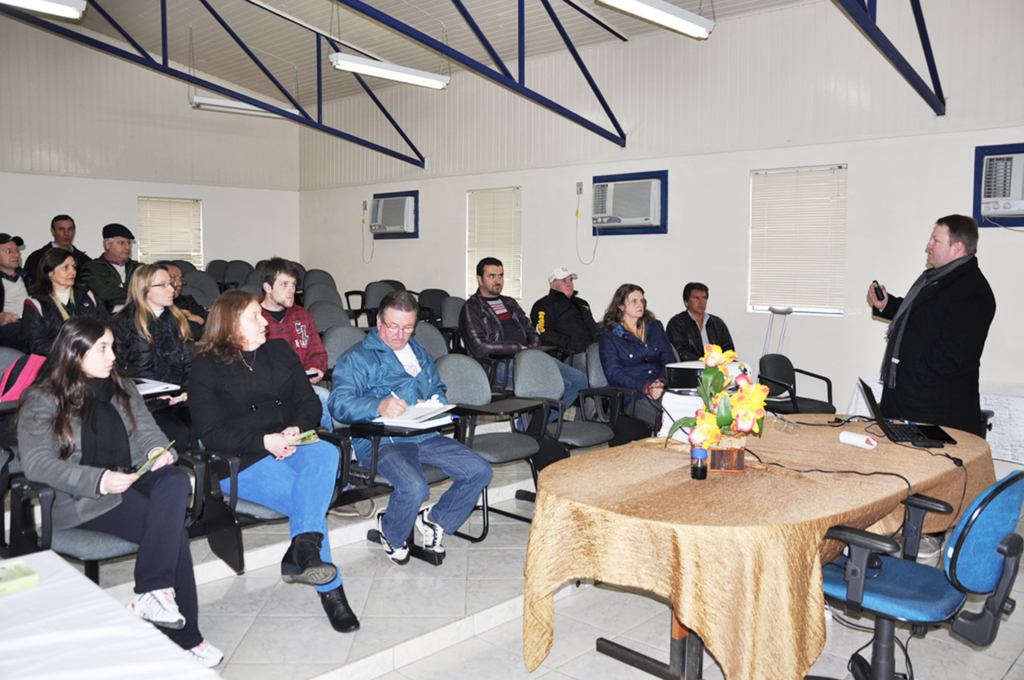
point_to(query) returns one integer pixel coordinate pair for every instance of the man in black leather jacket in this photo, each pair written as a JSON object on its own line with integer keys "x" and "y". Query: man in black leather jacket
{"x": 693, "y": 328}
{"x": 564, "y": 319}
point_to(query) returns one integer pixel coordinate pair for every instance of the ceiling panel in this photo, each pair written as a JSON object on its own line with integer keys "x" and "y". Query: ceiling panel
{"x": 289, "y": 51}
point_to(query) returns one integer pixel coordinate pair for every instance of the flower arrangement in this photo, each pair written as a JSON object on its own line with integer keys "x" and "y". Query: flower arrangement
{"x": 726, "y": 414}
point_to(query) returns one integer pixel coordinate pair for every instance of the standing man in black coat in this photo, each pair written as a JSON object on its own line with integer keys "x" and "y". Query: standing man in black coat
{"x": 938, "y": 331}
{"x": 563, "y": 319}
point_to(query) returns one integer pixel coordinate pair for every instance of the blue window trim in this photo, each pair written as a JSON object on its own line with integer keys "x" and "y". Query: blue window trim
{"x": 654, "y": 174}
{"x": 415, "y": 214}
{"x": 980, "y": 153}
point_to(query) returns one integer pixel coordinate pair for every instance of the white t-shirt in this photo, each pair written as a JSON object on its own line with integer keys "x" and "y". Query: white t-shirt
{"x": 15, "y": 295}
{"x": 409, "y": 361}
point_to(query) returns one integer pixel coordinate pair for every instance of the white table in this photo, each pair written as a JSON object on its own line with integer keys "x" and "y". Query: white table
{"x": 67, "y": 627}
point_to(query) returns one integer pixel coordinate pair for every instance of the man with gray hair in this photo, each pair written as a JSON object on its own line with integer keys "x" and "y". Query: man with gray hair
{"x": 109, "y": 274}
{"x": 382, "y": 376}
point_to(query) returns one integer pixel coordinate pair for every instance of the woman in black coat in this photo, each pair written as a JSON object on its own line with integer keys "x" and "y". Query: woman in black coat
{"x": 251, "y": 397}
{"x": 54, "y": 300}
{"x": 152, "y": 340}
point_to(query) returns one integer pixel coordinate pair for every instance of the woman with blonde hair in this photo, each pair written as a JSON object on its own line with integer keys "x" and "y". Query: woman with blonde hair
{"x": 152, "y": 340}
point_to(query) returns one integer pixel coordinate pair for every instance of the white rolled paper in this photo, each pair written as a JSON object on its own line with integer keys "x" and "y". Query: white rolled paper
{"x": 861, "y": 441}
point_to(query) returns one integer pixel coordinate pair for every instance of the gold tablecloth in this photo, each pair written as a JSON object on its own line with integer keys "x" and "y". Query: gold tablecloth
{"x": 739, "y": 555}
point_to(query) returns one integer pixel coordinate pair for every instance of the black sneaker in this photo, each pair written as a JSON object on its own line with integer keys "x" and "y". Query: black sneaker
{"x": 432, "y": 533}
{"x": 398, "y": 555}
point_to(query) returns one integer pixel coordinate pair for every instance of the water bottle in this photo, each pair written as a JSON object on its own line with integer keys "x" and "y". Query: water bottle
{"x": 699, "y": 463}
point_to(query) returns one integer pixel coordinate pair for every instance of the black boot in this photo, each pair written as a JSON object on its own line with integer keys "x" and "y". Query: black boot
{"x": 341, "y": 616}
{"x": 302, "y": 563}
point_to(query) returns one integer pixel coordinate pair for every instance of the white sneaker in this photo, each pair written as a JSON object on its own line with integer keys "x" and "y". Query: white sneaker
{"x": 398, "y": 555}
{"x": 159, "y": 608}
{"x": 206, "y": 654}
{"x": 432, "y": 533}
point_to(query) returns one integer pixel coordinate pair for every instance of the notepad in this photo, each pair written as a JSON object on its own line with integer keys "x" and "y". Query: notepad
{"x": 421, "y": 416}
{"x": 16, "y": 575}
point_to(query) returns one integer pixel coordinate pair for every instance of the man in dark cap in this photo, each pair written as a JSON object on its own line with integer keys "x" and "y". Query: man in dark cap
{"x": 13, "y": 292}
{"x": 109, "y": 274}
{"x": 62, "y": 228}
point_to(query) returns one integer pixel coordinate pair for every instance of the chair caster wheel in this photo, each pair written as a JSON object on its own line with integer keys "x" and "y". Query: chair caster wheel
{"x": 860, "y": 667}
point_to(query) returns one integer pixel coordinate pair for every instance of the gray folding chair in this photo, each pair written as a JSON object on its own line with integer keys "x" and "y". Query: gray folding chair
{"x": 215, "y": 268}
{"x": 430, "y": 300}
{"x": 316, "y": 292}
{"x": 202, "y": 286}
{"x": 469, "y": 387}
{"x": 370, "y": 301}
{"x": 235, "y": 273}
{"x": 327, "y": 314}
{"x": 318, "y": 276}
{"x": 337, "y": 340}
{"x": 535, "y": 376}
{"x": 451, "y": 309}
{"x": 431, "y": 339}
{"x": 255, "y": 276}
{"x": 185, "y": 266}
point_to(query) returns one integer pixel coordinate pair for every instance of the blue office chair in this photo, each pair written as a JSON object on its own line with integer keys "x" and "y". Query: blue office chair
{"x": 982, "y": 557}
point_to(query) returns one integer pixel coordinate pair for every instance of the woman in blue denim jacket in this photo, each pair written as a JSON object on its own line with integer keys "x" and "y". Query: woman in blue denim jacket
{"x": 635, "y": 350}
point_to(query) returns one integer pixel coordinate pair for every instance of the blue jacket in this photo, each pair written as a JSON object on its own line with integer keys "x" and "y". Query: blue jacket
{"x": 366, "y": 374}
{"x": 628, "y": 362}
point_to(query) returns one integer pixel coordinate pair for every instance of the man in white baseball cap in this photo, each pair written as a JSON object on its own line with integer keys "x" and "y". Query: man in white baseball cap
{"x": 563, "y": 319}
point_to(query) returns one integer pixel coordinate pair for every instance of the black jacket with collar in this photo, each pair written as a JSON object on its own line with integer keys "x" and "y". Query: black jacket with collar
{"x": 135, "y": 354}
{"x": 940, "y": 354}
{"x": 564, "y": 321}
{"x": 481, "y": 329}
{"x": 41, "y": 320}
{"x": 685, "y": 336}
{"x": 232, "y": 407}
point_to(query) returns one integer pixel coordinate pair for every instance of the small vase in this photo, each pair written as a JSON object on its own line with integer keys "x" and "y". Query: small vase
{"x": 727, "y": 455}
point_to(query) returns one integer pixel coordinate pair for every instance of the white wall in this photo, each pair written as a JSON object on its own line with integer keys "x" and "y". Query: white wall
{"x": 248, "y": 224}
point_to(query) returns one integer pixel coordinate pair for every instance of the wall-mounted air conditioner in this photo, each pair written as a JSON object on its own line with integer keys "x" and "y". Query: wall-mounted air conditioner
{"x": 631, "y": 203}
{"x": 1002, "y": 186}
{"x": 394, "y": 215}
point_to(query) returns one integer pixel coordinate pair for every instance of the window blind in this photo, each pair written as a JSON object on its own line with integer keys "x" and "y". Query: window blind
{"x": 171, "y": 229}
{"x": 798, "y": 239}
{"x": 494, "y": 228}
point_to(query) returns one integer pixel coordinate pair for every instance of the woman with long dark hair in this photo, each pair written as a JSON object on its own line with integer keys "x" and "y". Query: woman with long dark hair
{"x": 635, "y": 350}
{"x": 84, "y": 430}
{"x": 53, "y": 300}
{"x": 152, "y": 340}
{"x": 250, "y": 396}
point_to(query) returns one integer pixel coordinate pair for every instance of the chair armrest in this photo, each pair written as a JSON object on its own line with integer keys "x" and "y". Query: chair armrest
{"x": 20, "y": 489}
{"x": 917, "y": 507}
{"x": 343, "y": 442}
{"x": 981, "y": 627}
{"x": 348, "y": 299}
{"x": 617, "y": 397}
{"x": 828, "y": 383}
{"x": 861, "y": 543}
{"x": 198, "y": 468}
{"x": 234, "y": 463}
{"x": 791, "y": 389}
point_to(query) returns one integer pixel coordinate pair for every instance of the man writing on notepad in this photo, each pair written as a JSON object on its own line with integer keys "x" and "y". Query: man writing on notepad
{"x": 382, "y": 376}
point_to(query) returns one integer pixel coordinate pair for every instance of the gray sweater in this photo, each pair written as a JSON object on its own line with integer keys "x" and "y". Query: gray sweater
{"x": 78, "y": 497}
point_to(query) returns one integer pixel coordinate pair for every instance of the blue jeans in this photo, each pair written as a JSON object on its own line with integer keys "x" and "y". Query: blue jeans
{"x": 572, "y": 381}
{"x": 299, "y": 486}
{"x": 325, "y": 415}
{"x": 401, "y": 462}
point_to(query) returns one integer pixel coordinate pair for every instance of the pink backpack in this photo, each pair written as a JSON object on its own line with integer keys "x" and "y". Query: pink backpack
{"x": 19, "y": 376}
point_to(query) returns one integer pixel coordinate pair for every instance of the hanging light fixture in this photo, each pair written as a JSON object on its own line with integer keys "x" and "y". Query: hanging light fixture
{"x": 389, "y": 71}
{"x": 665, "y": 15}
{"x": 68, "y": 9}
{"x": 231, "y": 106}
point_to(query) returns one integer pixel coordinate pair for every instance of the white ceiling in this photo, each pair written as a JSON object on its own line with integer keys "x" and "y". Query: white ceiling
{"x": 289, "y": 51}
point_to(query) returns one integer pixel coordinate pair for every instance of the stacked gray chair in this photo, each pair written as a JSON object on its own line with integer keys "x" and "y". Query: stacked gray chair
{"x": 254, "y": 288}
{"x": 451, "y": 309}
{"x": 318, "y": 276}
{"x": 431, "y": 339}
{"x": 215, "y": 268}
{"x": 536, "y": 377}
{"x": 255, "y": 276}
{"x": 202, "y": 286}
{"x": 469, "y": 387}
{"x": 337, "y": 340}
{"x": 185, "y": 266}
{"x": 235, "y": 273}
{"x": 327, "y": 314}
{"x": 315, "y": 292}
{"x": 430, "y": 300}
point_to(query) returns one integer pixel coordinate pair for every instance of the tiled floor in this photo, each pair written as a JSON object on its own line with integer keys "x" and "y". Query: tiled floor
{"x": 463, "y": 619}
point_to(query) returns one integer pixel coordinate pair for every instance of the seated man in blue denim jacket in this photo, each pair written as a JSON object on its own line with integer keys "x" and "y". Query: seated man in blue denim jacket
{"x": 382, "y": 376}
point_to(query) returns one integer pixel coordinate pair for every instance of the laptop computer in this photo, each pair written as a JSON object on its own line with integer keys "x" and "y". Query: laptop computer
{"x": 925, "y": 436}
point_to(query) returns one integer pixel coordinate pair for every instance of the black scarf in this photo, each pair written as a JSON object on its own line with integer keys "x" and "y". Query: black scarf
{"x": 899, "y": 322}
{"x": 104, "y": 439}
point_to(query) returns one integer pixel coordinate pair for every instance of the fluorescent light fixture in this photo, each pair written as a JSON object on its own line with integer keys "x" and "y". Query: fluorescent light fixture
{"x": 231, "y": 106}
{"x": 663, "y": 14}
{"x": 68, "y": 9}
{"x": 383, "y": 69}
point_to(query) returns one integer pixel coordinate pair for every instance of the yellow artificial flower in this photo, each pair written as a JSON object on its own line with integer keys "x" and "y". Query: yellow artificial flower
{"x": 714, "y": 356}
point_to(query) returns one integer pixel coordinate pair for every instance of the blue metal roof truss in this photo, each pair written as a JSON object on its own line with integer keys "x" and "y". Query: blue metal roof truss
{"x": 145, "y": 59}
{"x": 863, "y": 14}
{"x": 504, "y": 77}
